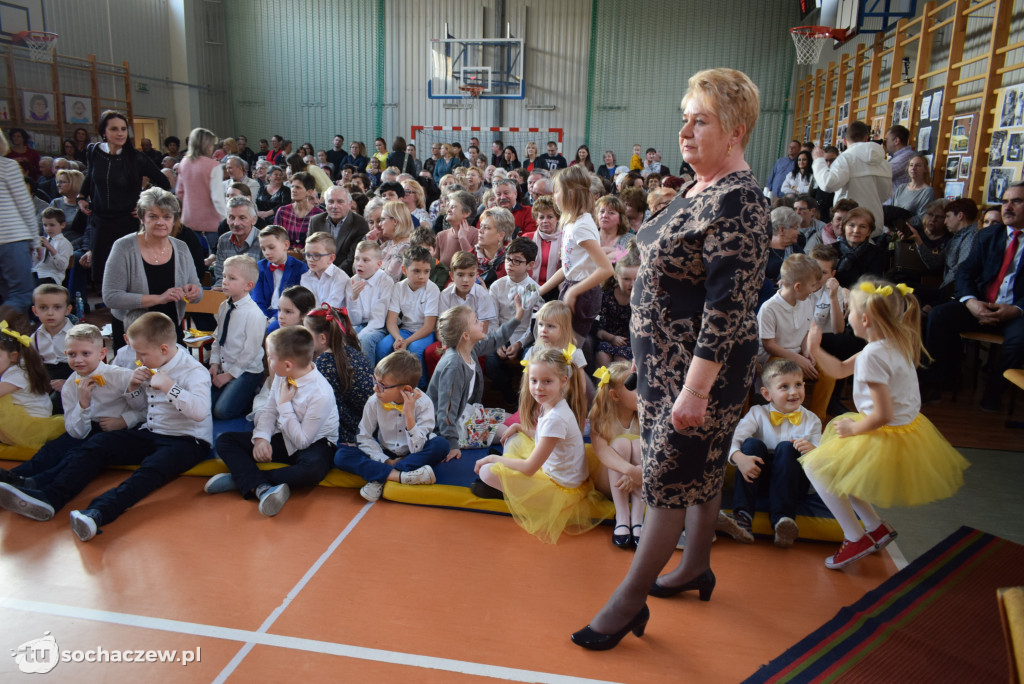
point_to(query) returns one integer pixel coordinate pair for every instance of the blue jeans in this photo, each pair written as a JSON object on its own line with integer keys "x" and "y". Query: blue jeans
{"x": 234, "y": 399}
{"x": 368, "y": 339}
{"x": 387, "y": 344}
{"x": 352, "y": 460}
{"x": 781, "y": 470}
{"x": 16, "y": 282}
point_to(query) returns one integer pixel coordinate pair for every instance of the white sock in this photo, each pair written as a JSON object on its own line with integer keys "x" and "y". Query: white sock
{"x": 866, "y": 513}
{"x": 840, "y": 507}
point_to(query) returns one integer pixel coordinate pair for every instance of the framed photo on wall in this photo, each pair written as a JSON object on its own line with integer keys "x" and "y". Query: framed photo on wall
{"x": 877, "y": 127}
{"x": 961, "y": 139}
{"x": 952, "y": 168}
{"x": 38, "y": 107}
{"x": 901, "y": 111}
{"x": 965, "y": 168}
{"x": 77, "y": 110}
{"x": 998, "y": 180}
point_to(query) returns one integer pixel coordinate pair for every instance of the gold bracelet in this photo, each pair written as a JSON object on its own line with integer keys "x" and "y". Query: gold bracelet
{"x": 695, "y": 393}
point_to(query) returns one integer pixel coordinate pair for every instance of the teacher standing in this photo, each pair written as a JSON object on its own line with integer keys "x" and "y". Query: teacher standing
{"x": 694, "y": 334}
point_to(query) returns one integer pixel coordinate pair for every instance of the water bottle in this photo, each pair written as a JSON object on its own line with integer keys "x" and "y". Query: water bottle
{"x": 79, "y": 307}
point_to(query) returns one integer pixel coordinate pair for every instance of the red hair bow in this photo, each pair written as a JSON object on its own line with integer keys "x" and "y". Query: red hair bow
{"x": 327, "y": 312}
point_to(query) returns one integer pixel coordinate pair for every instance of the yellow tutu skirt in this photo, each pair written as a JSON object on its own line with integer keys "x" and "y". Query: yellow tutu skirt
{"x": 544, "y": 508}
{"x": 895, "y": 465}
{"x": 18, "y": 428}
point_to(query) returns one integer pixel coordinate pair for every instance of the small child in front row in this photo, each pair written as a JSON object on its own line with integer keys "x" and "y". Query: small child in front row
{"x": 458, "y": 379}
{"x": 550, "y": 491}
{"x": 766, "y": 446}
{"x": 396, "y": 441}
{"x": 295, "y": 303}
{"x": 887, "y": 454}
{"x": 615, "y": 434}
{"x": 278, "y": 270}
{"x": 51, "y": 304}
{"x": 298, "y": 425}
{"x": 236, "y": 359}
{"x": 465, "y": 290}
{"x": 25, "y": 408}
{"x": 413, "y": 310}
{"x": 368, "y": 296}
{"x": 613, "y": 320}
{"x": 173, "y": 389}
{"x": 58, "y": 251}
{"x": 94, "y": 403}
{"x": 340, "y": 360}
{"x": 326, "y": 281}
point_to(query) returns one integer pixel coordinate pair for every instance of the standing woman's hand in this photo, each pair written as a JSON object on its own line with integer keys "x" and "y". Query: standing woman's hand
{"x": 688, "y": 411}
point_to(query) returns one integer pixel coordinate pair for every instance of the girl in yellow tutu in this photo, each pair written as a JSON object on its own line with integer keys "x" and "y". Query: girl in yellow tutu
{"x": 615, "y": 435}
{"x": 25, "y": 407}
{"x": 887, "y": 453}
{"x": 550, "y": 491}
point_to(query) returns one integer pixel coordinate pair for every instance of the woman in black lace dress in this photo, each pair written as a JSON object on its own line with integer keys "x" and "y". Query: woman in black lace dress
{"x": 694, "y": 335}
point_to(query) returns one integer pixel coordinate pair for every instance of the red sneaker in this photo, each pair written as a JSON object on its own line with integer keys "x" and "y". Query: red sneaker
{"x": 850, "y": 552}
{"x": 882, "y": 535}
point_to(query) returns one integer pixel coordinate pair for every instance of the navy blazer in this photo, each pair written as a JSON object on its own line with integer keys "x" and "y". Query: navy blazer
{"x": 264, "y": 290}
{"x": 982, "y": 266}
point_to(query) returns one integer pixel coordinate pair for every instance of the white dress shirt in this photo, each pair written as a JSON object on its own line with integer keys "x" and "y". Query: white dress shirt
{"x": 329, "y": 287}
{"x": 504, "y": 290}
{"x": 414, "y": 305}
{"x": 184, "y": 410}
{"x": 478, "y": 299}
{"x": 311, "y": 415}
{"x": 243, "y": 349}
{"x": 125, "y": 357}
{"x": 758, "y": 424}
{"x": 371, "y": 308}
{"x": 55, "y": 265}
{"x": 390, "y": 430}
{"x": 51, "y": 348}
{"x": 108, "y": 401}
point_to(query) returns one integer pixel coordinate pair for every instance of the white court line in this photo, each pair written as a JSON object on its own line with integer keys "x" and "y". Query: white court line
{"x": 296, "y": 643}
{"x": 272, "y": 618}
{"x": 897, "y": 556}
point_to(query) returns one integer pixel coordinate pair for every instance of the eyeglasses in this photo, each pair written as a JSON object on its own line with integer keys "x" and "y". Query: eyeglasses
{"x": 310, "y": 256}
{"x": 514, "y": 262}
{"x": 382, "y": 387}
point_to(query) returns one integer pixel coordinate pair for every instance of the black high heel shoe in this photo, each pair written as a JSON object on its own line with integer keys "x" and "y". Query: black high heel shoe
{"x": 595, "y": 641}
{"x": 623, "y": 541}
{"x": 703, "y": 583}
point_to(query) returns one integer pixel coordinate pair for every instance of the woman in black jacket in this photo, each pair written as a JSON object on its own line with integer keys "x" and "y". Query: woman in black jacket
{"x": 858, "y": 256}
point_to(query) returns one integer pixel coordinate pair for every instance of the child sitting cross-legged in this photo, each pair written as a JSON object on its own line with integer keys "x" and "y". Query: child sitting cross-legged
{"x": 175, "y": 436}
{"x": 549, "y": 492}
{"x": 396, "y": 440}
{"x": 94, "y": 402}
{"x": 413, "y": 309}
{"x": 458, "y": 379}
{"x": 766, "y": 447}
{"x": 25, "y": 407}
{"x": 298, "y": 425}
{"x": 326, "y": 281}
{"x": 236, "y": 360}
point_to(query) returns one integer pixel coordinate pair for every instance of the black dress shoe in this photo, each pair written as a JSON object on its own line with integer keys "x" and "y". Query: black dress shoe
{"x": 483, "y": 490}
{"x": 703, "y": 583}
{"x": 623, "y": 541}
{"x": 636, "y": 530}
{"x": 11, "y": 479}
{"x": 595, "y": 641}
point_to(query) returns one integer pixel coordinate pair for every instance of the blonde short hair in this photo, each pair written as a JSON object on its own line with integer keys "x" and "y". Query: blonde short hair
{"x": 397, "y": 210}
{"x": 153, "y": 327}
{"x": 799, "y": 268}
{"x": 245, "y": 264}
{"x": 324, "y": 239}
{"x": 730, "y": 94}
{"x": 403, "y": 366}
{"x": 86, "y": 333}
{"x": 369, "y": 246}
{"x": 502, "y": 220}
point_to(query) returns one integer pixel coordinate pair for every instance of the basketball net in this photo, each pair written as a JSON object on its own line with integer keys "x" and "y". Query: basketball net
{"x": 41, "y": 44}
{"x": 809, "y": 40}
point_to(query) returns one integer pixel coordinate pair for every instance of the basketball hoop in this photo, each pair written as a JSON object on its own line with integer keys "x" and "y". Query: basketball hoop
{"x": 41, "y": 44}
{"x": 809, "y": 40}
{"x": 471, "y": 90}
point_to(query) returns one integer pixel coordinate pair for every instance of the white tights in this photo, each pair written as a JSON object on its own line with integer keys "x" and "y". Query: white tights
{"x": 846, "y": 510}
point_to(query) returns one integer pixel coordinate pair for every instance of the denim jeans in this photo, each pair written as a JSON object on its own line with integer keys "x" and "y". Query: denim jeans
{"x": 786, "y": 482}
{"x": 234, "y": 399}
{"x": 368, "y": 340}
{"x": 16, "y": 275}
{"x": 352, "y": 460}
{"x": 387, "y": 344}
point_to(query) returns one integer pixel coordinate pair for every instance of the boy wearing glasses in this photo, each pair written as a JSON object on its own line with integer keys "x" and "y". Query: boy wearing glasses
{"x": 502, "y": 366}
{"x": 396, "y": 440}
{"x": 326, "y": 281}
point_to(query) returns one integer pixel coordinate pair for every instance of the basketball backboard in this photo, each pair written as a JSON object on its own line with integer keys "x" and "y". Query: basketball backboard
{"x": 20, "y": 15}
{"x": 843, "y": 15}
{"x": 493, "y": 64}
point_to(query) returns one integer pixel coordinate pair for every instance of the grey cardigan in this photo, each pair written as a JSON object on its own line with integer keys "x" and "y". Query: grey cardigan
{"x": 449, "y": 386}
{"x": 124, "y": 277}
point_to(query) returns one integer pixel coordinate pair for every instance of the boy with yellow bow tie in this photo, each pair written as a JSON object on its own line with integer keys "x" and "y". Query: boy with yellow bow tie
{"x": 765, "y": 448}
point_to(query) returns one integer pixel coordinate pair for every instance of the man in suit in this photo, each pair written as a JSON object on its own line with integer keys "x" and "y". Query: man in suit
{"x": 345, "y": 226}
{"x": 990, "y": 298}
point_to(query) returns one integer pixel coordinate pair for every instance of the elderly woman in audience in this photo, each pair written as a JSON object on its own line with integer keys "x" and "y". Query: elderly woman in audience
{"x": 858, "y": 254}
{"x": 634, "y": 202}
{"x": 150, "y": 269}
{"x": 915, "y": 195}
{"x": 274, "y": 194}
{"x": 437, "y": 206}
{"x": 607, "y": 169}
{"x": 460, "y": 234}
{"x": 111, "y": 189}
{"x": 295, "y": 217}
{"x": 613, "y": 228}
{"x": 785, "y": 224}
{"x": 200, "y": 186}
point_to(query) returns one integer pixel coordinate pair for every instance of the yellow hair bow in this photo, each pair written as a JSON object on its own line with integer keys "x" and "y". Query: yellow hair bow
{"x": 603, "y": 375}
{"x": 151, "y": 371}
{"x": 871, "y": 289}
{"x": 568, "y": 352}
{"x": 905, "y": 289}
{"x": 7, "y": 330}
{"x": 525, "y": 363}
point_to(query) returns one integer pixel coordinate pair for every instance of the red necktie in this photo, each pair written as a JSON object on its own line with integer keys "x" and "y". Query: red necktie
{"x": 1011, "y": 250}
{"x": 276, "y": 267}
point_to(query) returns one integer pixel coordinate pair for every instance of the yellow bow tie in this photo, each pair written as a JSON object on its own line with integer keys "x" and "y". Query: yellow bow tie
{"x": 291, "y": 381}
{"x": 98, "y": 379}
{"x": 389, "y": 406}
{"x": 151, "y": 371}
{"x": 778, "y": 416}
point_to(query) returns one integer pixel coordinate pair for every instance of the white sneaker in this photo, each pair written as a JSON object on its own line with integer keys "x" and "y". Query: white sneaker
{"x": 273, "y": 500}
{"x": 420, "y": 476}
{"x": 17, "y": 501}
{"x": 83, "y": 524}
{"x": 219, "y": 483}
{"x": 371, "y": 491}
{"x": 786, "y": 532}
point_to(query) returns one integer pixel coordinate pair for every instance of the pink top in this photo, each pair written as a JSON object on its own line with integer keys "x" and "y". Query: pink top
{"x": 448, "y": 244}
{"x": 197, "y": 210}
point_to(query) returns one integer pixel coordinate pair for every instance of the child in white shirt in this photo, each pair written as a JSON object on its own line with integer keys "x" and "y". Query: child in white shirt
{"x": 765, "y": 448}
{"x": 298, "y": 425}
{"x": 415, "y": 301}
{"x": 396, "y": 440}
{"x": 51, "y": 304}
{"x": 465, "y": 290}
{"x": 25, "y": 406}
{"x": 784, "y": 320}
{"x": 325, "y": 280}
{"x": 368, "y": 295}
{"x": 58, "y": 251}
{"x": 236, "y": 359}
